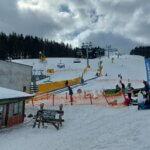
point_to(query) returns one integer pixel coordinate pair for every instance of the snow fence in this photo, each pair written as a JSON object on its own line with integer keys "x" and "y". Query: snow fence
{"x": 81, "y": 98}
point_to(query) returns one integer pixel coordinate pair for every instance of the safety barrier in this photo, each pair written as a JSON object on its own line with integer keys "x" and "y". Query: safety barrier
{"x": 116, "y": 99}
{"x": 50, "y": 70}
{"x": 84, "y": 98}
{"x": 44, "y": 87}
{"x": 86, "y": 69}
{"x": 123, "y": 80}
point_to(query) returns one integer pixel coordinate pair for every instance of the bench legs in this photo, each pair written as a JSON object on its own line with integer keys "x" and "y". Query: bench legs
{"x": 56, "y": 126}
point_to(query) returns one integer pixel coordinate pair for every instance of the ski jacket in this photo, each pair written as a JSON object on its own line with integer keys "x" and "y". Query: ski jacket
{"x": 140, "y": 98}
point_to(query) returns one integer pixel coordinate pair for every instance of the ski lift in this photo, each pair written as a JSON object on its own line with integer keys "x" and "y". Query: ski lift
{"x": 60, "y": 65}
{"x": 77, "y": 60}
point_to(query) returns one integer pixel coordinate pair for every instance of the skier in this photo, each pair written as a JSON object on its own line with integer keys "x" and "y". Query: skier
{"x": 122, "y": 86}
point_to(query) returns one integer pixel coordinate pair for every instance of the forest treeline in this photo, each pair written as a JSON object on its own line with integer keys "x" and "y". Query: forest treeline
{"x": 141, "y": 50}
{"x": 17, "y": 46}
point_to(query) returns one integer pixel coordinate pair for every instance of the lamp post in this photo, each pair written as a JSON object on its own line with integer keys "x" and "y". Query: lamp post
{"x": 87, "y": 46}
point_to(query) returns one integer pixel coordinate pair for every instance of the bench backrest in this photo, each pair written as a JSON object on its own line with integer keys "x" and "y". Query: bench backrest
{"x": 49, "y": 114}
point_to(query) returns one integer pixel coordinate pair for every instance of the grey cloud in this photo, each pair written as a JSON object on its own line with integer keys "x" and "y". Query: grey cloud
{"x": 121, "y": 23}
{"x": 93, "y": 16}
{"x": 64, "y": 8}
{"x": 27, "y": 22}
{"x": 7, "y": 15}
{"x": 75, "y": 33}
{"x": 37, "y": 24}
{"x": 82, "y": 3}
{"x": 116, "y": 41}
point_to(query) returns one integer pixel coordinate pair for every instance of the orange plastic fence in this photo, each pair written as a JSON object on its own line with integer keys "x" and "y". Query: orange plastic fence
{"x": 124, "y": 80}
{"x": 85, "y": 98}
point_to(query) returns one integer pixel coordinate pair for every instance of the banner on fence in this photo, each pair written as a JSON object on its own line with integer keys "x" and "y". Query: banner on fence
{"x": 44, "y": 87}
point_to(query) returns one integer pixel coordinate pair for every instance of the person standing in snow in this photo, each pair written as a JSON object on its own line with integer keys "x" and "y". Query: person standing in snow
{"x": 129, "y": 91}
{"x": 146, "y": 89}
{"x": 70, "y": 93}
{"x": 141, "y": 100}
{"x": 97, "y": 74}
{"x": 122, "y": 86}
{"x": 82, "y": 80}
{"x": 117, "y": 87}
{"x": 66, "y": 83}
{"x": 120, "y": 77}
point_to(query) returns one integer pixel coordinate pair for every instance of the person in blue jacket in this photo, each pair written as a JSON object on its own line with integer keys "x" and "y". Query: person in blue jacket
{"x": 70, "y": 93}
{"x": 146, "y": 89}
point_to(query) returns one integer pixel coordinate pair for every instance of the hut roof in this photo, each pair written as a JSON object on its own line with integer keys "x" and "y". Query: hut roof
{"x": 6, "y": 93}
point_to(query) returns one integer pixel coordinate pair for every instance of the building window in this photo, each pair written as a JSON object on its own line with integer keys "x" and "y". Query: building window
{"x": 16, "y": 108}
{"x": 10, "y": 110}
{"x": 1, "y": 113}
{"x": 20, "y": 107}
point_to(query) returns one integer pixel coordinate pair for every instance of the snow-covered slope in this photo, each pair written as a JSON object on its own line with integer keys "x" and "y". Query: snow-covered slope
{"x": 88, "y": 127}
{"x": 131, "y": 68}
{"x": 85, "y": 128}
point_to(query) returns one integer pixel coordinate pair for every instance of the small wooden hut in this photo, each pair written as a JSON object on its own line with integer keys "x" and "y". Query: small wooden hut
{"x": 12, "y": 107}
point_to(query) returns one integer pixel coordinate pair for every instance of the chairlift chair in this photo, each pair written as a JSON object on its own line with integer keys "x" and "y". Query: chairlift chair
{"x": 77, "y": 60}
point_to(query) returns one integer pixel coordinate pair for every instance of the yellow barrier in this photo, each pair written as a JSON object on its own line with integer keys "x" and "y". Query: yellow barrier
{"x": 88, "y": 66}
{"x": 85, "y": 70}
{"x": 50, "y": 70}
{"x": 100, "y": 69}
{"x": 56, "y": 85}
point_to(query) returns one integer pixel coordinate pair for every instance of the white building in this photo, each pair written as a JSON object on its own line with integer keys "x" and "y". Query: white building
{"x": 15, "y": 76}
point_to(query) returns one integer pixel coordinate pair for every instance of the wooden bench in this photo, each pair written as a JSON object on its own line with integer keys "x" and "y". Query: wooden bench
{"x": 53, "y": 117}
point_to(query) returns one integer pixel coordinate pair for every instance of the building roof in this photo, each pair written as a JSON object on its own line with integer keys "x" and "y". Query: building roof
{"x": 16, "y": 63}
{"x": 9, "y": 93}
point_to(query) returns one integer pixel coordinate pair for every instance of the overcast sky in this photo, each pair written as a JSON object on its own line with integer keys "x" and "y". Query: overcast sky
{"x": 123, "y": 24}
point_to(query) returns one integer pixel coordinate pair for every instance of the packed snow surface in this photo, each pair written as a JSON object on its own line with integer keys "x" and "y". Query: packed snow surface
{"x": 87, "y": 127}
